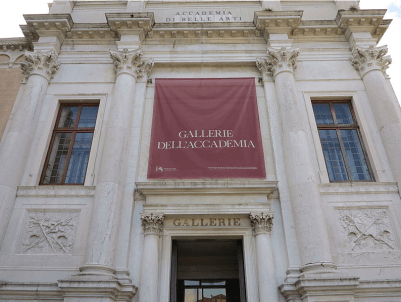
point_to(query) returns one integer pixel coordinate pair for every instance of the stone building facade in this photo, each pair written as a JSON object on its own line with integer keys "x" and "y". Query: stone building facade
{"x": 80, "y": 218}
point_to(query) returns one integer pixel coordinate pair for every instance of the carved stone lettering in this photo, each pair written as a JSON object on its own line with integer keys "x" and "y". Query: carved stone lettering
{"x": 207, "y": 222}
{"x": 368, "y": 229}
{"x": 49, "y": 233}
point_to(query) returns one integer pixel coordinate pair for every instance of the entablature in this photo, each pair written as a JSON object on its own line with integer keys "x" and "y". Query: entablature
{"x": 207, "y": 187}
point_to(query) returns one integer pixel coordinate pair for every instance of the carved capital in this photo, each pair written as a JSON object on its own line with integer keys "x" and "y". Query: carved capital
{"x": 43, "y": 64}
{"x": 152, "y": 224}
{"x": 130, "y": 62}
{"x": 261, "y": 223}
{"x": 265, "y": 67}
{"x": 145, "y": 68}
{"x": 366, "y": 59}
{"x": 277, "y": 61}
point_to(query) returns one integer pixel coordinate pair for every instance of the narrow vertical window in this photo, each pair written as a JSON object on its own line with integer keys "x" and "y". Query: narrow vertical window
{"x": 341, "y": 141}
{"x": 70, "y": 145}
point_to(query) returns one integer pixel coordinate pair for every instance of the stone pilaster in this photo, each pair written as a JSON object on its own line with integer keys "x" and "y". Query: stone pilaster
{"x": 372, "y": 63}
{"x": 301, "y": 177}
{"x": 38, "y": 69}
{"x": 262, "y": 226}
{"x": 152, "y": 225}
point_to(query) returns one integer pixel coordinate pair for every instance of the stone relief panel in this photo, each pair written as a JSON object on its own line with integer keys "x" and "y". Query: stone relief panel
{"x": 49, "y": 232}
{"x": 367, "y": 230}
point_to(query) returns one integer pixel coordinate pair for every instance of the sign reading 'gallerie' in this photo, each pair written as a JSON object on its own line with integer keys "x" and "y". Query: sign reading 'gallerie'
{"x": 206, "y": 128}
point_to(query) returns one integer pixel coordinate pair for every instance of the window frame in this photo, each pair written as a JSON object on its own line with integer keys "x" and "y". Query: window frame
{"x": 338, "y": 128}
{"x": 74, "y": 130}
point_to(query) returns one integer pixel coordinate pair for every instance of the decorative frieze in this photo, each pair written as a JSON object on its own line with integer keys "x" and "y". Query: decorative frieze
{"x": 43, "y": 64}
{"x": 367, "y": 230}
{"x": 366, "y": 59}
{"x": 49, "y": 232}
{"x": 152, "y": 224}
{"x": 261, "y": 223}
{"x": 278, "y": 61}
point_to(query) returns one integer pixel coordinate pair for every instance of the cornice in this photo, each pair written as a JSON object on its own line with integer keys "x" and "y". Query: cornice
{"x": 49, "y": 24}
{"x": 222, "y": 32}
{"x": 131, "y": 23}
{"x": 369, "y": 20}
{"x": 12, "y": 44}
{"x": 88, "y": 33}
{"x": 185, "y": 187}
{"x": 277, "y": 22}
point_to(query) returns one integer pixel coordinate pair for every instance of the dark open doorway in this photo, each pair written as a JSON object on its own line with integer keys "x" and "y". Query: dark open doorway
{"x": 207, "y": 271}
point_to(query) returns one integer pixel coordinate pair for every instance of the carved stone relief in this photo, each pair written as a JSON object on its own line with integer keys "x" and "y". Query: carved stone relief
{"x": 367, "y": 230}
{"x": 49, "y": 232}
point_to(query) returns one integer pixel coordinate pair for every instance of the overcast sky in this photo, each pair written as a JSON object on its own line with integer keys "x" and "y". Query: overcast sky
{"x": 11, "y": 18}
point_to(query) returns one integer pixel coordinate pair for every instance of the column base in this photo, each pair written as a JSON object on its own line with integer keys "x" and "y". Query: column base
{"x": 312, "y": 287}
{"x": 98, "y": 283}
{"x": 319, "y": 268}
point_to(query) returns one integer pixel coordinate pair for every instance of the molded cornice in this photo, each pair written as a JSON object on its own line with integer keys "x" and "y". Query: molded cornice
{"x": 49, "y": 24}
{"x": 131, "y": 23}
{"x": 368, "y": 20}
{"x": 277, "y": 22}
{"x": 170, "y": 187}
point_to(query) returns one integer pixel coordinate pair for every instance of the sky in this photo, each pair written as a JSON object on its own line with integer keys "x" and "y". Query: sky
{"x": 11, "y": 18}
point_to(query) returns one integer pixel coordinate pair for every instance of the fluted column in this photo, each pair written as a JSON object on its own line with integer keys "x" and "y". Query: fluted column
{"x": 372, "y": 62}
{"x": 148, "y": 286}
{"x": 38, "y": 69}
{"x": 262, "y": 226}
{"x": 111, "y": 175}
{"x": 304, "y": 193}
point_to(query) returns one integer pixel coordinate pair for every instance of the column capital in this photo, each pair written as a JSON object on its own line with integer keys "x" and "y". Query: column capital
{"x": 130, "y": 62}
{"x": 261, "y": 223}
{"x": 366, "y": 59}
{"x": 144, "y": 69}
{"x": 40, "y": 63}
{"x": 152, "y": 224}
{"x": 277, "y": 61}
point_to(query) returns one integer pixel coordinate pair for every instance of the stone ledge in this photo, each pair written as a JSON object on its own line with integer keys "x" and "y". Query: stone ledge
{"x": 56, "y": 191}
{"x": 27, "y": 290}
{"x": 358, "y": 187}
{"x": 205, "y": 187}
{"x": 109, "y": 288}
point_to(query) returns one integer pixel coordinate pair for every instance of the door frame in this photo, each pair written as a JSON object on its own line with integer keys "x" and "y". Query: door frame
{"x": 249, "y": 256}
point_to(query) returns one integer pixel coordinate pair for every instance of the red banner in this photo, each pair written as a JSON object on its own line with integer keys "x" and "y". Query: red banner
{"x": 206, "y": 128}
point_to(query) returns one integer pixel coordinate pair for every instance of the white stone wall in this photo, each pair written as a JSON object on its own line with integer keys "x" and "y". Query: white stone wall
{"x": 360, "y": 263}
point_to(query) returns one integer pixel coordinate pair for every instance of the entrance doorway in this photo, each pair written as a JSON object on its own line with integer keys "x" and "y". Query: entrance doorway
{"x": 207, "y": 271}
